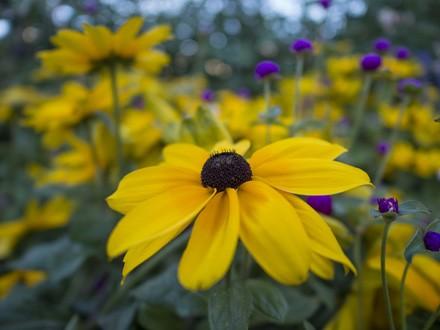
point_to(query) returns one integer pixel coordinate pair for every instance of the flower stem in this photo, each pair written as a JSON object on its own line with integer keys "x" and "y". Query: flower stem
{"x": 359, "y": 114}
{"x": 267, "y": 95}
{"x": 297, "y": 113}
{"x": 432, "y": 319}
{"x": 117, "y": 120}
{"x": 381, "y": 170}
{"x": 402, "y": 296}
{"x": 359, "y": 281}
{"x": 383, "y": 273}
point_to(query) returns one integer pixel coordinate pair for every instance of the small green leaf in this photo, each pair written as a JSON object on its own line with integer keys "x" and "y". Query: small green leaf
{"x": 434, "y": 226}
{"x": 301, "y": 306}
{"x": 308, "y": 326}
{"x": 120, "y": 319}
{"x": 415, "y": 246}
{"x": 229, "y": 307}
{"x": 268, "y": 299}
{"x": 159, "y": 318}
{"x": 413, "y": 207}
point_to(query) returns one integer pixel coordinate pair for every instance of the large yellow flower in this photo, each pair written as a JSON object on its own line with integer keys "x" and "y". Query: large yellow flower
{"x": 233, "y": 198}
{"x": 81, "y": 52}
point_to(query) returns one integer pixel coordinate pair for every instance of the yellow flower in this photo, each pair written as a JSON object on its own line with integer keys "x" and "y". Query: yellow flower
{"x": 28, "y": 277}
{"x": 231, "y": 199}
{"x": 52, "y": 214}
{"x": 402, "y": 69}
{"x": 81, "y": 52}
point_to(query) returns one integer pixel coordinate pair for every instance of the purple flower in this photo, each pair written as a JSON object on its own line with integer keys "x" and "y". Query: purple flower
{"x": 266, "y": 69}
{"x": 382, "y": 45}
{"x": 325, "y": 3}
{"x": 301, "y": 46}
{"x": 371, "y": 62}
{"x": 322, "y": 204}
{"x": 382, "y": 148}
{"x": 402, "y": 53}
{"x": 208, "y": 95}
{"x": 90, "y": 7}
{"x": 387, "y": 205}
{"x": 432, "y": 241}
{"x": 409, "y": 85}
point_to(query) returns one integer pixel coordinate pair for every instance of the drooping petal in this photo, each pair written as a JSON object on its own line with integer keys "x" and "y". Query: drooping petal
{"x": 140, "y": 185}
{"x": 293, "y": 148}
{"x": 158, "y": 216}
{"x": 142, "y": 252}
{"x": 126, "y": 34}
{"x": 311, "y": 176}
{"x": 101, "y": 37}
{"x": 322, "y": 267}
{"x": 323, "y": 241}
{"x": 272, "y": 232}
{"x": 212, "y": 245}
{"x": 185, "y": 155}
{"x": 154, "y": 36}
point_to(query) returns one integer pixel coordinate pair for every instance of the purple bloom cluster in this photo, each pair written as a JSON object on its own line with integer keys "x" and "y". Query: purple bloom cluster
{"x": 301, "y": 46}
{"x": 409, "y": 85}
{"x": 266, "y": 69}
{"x": 386, "y": 205}
{"x": 325, "y": 3}
{"x": 382, "y": 148}
{"x": 382, "y": 45}
{"x": 402, "y": 53}
{"x": 371, "y": 62}
{"x": 208, "y": 95}
{"x": 322, "y": 204}
{"x": 432, "y": 241}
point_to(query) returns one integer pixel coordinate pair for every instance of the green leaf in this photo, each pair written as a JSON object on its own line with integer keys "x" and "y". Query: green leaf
{"x": 229, "y": 307}
{"x": 268, "y": 299}
{"x": 308, "y": 326}
{"x": 434, "y": 226}
{"x": 413, "y": 207}
{"x": 301, "y": 306}
{"x": 159, "y": 318}
{"x": 414, "y": 246}
{"x": 120, "y": 319}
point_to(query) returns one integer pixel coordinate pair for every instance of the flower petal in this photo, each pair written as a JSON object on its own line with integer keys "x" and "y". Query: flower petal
{"x": 298, "y": 147}
{"x": 142, "y": 252}
{"x": 311, "y": 176}
{"x": 272, "y": 232}
{"x": 323, "y": 241}
{"x": 212, "y": 245}
{"x": 140, "y": 185}
{"x": 322, "y": 267}
{"x": 184, "y": 155}
{"x": 158, "y": 216}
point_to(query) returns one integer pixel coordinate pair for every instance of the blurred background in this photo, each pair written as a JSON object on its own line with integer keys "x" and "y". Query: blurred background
{"x": 224, "y": 38}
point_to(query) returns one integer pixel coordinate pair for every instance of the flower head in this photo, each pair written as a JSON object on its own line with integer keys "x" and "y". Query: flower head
{"x": 370, "y": 62}
{"x": 233, "y": 198}
{"x": 382, "y": 148}
{"x": 432, "y": 241}
{"x": 325, "y": 3}
{"x": 409, "y": 86}
{"x": 388, "y": 205}
{"x": 208, "y": 95}
{"x": 402, "y": 53}
{"x": 382, "y": 45}
{"x": 266, "y": 69}
{"x": 322, "y": 204}
{"x": 301, "y": 46}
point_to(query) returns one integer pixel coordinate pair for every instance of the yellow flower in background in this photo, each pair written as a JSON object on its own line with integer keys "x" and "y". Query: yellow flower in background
{"x": 402, "y": 69}
{"x": 29, "y": 278}
{"x": 231, "y": 199}
{"x": 16, "y": 96}
{"x": 402, "y": 156}
{"x": 52, "y": 214}
{"x": 342, "y": 66}
{"x": 257, "y": 134}
{"x": 97, "y": 46}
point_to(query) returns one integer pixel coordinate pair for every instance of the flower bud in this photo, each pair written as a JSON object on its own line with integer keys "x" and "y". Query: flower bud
{"x": 301, "y": 46}
{"x": 370, "y": 62}
{"x": 432, "y": 241}
{"x": 266, "y": 69}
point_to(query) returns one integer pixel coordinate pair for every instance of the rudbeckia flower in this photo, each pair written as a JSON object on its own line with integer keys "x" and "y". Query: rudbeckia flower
{"x": 235, "y": 199}
{"x": 81, "y": 52}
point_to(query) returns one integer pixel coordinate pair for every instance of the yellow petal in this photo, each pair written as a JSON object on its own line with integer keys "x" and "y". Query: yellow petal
{"x": 241, "y": 147}
{"x": 154, "y": 36}
{"x": 75, "y": 41}
{"x": 311, "y": 176}
{"x": 151, "y": 61}
{"x": 126, "y": 34}
{"x": 212, "y": 245}
{"x": 298, "y": 147}
{"x": 322, "y": 267}
{"x": 158, "y": 216}
{"x": 323, "y": 241}
{"x": 140, "y": 185}
{"x": 187, "y": 156}
{"x": 142, "y": 252}
{"x": 101, "y": 37}
{"x": 272, "y": 232}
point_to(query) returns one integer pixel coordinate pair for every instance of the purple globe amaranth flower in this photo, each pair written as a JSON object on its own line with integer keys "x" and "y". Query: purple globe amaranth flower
{"x": 432, "y": 241}
{"x": 402, "y": 53}
{"x": 409, "y": 86}
{"x": 266, "y": 69}
{"x": 325, "y": 3}
{"x": 90, "y": 7}
{"x": 382, "y": 45}
{"x": 371, "y": 62}
{"x": 301, "y": 46}
{"x": 322, "y": 204}
{"x": 382, "y": 148}
{"x": 388, "y": 205}
{"x": 208, "y": 95}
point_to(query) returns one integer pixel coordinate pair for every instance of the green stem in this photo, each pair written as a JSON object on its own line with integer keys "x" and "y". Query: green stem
{"x": 394, "y": 134}
{"x": 402, "y": 296}
{"x": 359, "y": 280}
{"x": 360, "y": 109}
{"x": 434, "y": 316}
{"x": 383, "y": 273}
{"x": 267, "y": 95}
{"x": 297, "y": 113}
{"x": 117, "y": 120}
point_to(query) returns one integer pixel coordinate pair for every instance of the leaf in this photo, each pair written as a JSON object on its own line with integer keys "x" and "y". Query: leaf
{"x": 159, "y": 318}
{"x": 434, "y": 225}
{"x": 414, "y": 246}
{"x": 229, "y": 307}
{"x": 120, "y": 319}
{"x": 308, "y": 326}
{"x": 301, "y": 306}
{"x": 268, "y": 299}
{"x": 413, "y": 207}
